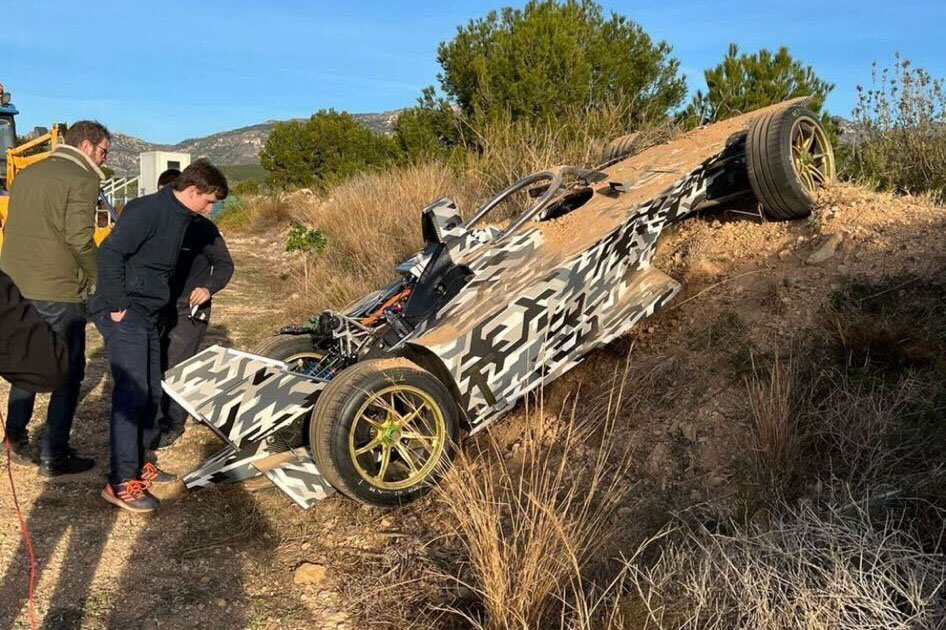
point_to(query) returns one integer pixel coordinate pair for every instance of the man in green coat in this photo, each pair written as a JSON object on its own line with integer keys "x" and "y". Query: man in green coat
{"x": 49, "y": 253}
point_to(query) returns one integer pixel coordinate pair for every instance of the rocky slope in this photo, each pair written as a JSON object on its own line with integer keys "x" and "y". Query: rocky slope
{"x": 235, "y": 147}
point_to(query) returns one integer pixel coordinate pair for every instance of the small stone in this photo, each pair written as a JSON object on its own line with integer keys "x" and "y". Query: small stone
{"x": 220, "y": 602}
{"x": 826, "y": 251}
{"x": 305, "y": 546}
{"x": 385, "y": 523}
{"x": 310, "y": 573}
{"x": 658, "y": 460}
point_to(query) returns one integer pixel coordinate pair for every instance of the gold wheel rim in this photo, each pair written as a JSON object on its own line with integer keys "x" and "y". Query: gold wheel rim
{"x": 297, "y": 361}
{"x": 397, "y": 437}
{"x": 812, "y": 157}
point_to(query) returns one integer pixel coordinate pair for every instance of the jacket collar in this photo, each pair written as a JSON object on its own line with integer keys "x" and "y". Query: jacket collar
{"x": 73, "y": 154}
{"x": 177, "y": 205}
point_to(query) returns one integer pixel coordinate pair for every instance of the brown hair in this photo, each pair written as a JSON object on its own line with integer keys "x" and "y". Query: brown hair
{"x": 168, "y": 177}
{"x": 90, "y": 130}
{"x": 205, "y": 176}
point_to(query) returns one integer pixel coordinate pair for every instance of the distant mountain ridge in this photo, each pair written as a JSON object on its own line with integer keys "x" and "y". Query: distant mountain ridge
{"x": 236, "y": 147}
{"x": 241, "y": 147}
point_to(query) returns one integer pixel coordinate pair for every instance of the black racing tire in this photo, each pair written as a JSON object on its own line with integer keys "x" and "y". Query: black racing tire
{"x": 785, "y": 175}
{"x": 621, "y": 147}
{"x": 292, "y": 349}
{"x": 346, "y": 419}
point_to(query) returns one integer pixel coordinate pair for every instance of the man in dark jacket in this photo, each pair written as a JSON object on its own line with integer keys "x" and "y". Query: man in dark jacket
{"x": 204, "y": 267}
{"x": 135, "y": 265}
{"x": 32, "y": 356}
{"x": 49, "y": 253}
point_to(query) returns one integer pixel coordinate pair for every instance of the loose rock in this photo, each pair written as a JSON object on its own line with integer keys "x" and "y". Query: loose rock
{"x": 310, "y": 573}
{"x": 826, "y": 251}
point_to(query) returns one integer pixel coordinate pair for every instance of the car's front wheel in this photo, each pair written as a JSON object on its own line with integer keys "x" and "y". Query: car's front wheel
{"x": 383, "y": 431}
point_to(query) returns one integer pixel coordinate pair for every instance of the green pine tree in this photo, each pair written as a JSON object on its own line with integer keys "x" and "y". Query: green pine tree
{"x": 742, "y": 83}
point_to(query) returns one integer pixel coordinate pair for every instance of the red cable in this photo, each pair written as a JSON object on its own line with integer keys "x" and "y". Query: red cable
{"x": 23, "y": 531}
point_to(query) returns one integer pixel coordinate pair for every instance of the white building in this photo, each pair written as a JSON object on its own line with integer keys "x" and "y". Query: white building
{"x": 153, "y": 163}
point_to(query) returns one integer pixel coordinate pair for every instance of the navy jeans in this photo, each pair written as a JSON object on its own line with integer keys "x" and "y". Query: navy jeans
{"x": 68, "y": 320}
{"x": 134, "y": 356}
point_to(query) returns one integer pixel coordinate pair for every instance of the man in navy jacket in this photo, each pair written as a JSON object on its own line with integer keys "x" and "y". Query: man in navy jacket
{"x": 135, "y": 265}
{"x": 204, "y": 267}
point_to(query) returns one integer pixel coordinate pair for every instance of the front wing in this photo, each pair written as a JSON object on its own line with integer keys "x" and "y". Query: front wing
{"x": 246, "y": 400}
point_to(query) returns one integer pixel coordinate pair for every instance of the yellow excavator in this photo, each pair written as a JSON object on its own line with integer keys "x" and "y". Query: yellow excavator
{"x": 14, "y": 159}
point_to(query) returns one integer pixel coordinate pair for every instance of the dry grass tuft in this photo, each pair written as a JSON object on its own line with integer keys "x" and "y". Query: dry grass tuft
{"x": 776, "y": 436}
{"x": 836, "y": 570}
{"x": 530, "y": 525}
{"x": 371, "y": 223}
{"x": 261, "y": 213}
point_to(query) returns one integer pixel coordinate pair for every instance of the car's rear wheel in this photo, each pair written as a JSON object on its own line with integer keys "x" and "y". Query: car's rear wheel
{"x": 383, "y": 431}
{"x": 296, "y": 350}
{"x": 789, "y": 157}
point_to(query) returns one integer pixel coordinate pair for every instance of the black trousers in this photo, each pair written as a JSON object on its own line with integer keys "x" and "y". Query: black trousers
{"x": 180, "y": 340}
{"x": 67, "y": 320}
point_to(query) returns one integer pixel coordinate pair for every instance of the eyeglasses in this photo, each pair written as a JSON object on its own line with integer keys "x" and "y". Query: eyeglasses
{"x": 104, "y": 150}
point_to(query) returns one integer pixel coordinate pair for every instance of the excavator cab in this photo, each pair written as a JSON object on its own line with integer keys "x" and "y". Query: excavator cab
{"x": 7, "y": 132}
{"x": 7, "y": 139}
{"x": 7, "y": 142}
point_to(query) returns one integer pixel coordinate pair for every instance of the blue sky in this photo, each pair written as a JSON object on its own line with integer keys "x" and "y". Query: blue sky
{"x": 165, "y": 72}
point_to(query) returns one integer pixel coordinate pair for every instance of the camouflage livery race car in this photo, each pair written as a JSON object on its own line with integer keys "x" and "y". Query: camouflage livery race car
{"x": 370, "y": 401}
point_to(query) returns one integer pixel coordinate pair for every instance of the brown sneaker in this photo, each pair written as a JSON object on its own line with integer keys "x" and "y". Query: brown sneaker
{"x": 152, "y": 474}
{"x": 131, "y": 495}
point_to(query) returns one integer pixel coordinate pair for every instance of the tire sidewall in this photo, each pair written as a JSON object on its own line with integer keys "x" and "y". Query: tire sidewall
{"x": 283, "y": 346}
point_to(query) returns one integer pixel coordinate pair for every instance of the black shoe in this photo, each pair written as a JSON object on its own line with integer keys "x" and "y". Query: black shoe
{"x": 170, "y": 437}
{"x": 70, "y": 464}
{"x": 19, "y": 449}
{"x": 152, "y": 474}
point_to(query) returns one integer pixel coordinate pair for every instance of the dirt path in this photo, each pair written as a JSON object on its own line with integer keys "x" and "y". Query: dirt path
{"x": 209, "y": 559}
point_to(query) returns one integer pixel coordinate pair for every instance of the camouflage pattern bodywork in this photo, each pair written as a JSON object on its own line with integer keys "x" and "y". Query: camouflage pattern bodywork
{"x": 560, "y": 312}
{"x": 246, "y": 400}
{"x": 531, "y": 304}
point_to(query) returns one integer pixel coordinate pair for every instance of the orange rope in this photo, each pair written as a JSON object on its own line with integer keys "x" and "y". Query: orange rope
{"x": 23, "y": 531}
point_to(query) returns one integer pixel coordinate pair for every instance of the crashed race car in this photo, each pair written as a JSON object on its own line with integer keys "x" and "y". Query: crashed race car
{"x": 370, "y": 401}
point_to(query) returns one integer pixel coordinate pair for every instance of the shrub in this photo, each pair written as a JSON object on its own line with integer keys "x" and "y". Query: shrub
{"x": 428, "y": 130}
{"x": 327, "y": 148}
{"x": 301, "y": 239}
{"x": 742, "y": 83}
{"x": 900, "y": 132}
{"x": 246, "y": 187}
{"x": 550, "y": 57}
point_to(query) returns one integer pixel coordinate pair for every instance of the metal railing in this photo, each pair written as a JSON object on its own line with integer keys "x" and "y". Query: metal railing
{"x": 118, "y": 190}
